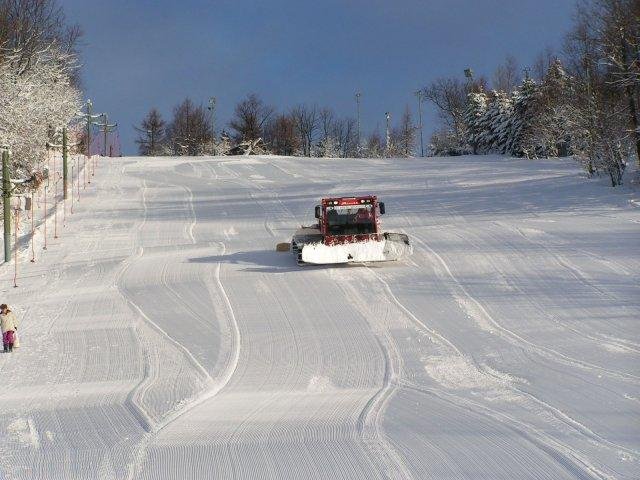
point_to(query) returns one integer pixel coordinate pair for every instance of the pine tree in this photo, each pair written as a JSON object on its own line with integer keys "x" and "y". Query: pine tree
{"x": 473, "y": 119}
{"x": 497, "y": 122}
{"x": 523, "y": 100}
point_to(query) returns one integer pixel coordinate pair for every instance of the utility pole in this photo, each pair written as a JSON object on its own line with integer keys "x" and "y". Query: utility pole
{"x": 212, "y": 109}
{"x": 106, "y": 128}
{"x": 106, "y": 132}
{"x": 419, "y": 94}
{"x": 64, "y": 146}
{"x": 89, "y": 116}
{"x": 388, "y": 117}
{"x": 6, "y": 204}
{"x": 358, "y": 95}
{"x": 89, "y": 109}
{"x": 64, "y": 163}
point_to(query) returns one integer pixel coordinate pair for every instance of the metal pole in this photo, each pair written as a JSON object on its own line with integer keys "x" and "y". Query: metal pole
{"x": 55, "y": 209}
{"x": 33, "y": 230}
{"x": 419, "y": 94}
{"x": 106, "y": 131}
{"x": 65, "y": 169}
{"x": 72, "y": 172}
{"x": 388, "y": 139}
{"x": 212, "y": 109}
{"x": 89, "y": 109}
{"x": 6, "y": 203}
{"x": 44, "y": 218}
{"x": 358, "y": 95}
{"x": 15, "y": 250}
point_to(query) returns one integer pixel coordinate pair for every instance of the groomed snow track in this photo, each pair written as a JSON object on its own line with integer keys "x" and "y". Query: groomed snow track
{"x": 164, "y": 338}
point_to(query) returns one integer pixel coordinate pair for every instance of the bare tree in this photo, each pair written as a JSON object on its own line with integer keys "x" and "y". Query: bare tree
{"x": 603, "y": 50}
{"x": 39, "y": 91}
{"x": 190, "y": 130}
{"x": 375, "y": 145}
{"x": 449, "y": 95}
{"x": 306, "y": 121}
{"x": 507, "y": 76}
{"x": 543, "y": 62}
{"x": 618, "y": 22}
{"x": 28, "y": 26}
{"x": 405, "y": 141}
{"x": 344, "y": 131}
{"x": 326, "y": 118}
{"x": 281, "y": 135}
{"x": 151, "y": 134}
{"x": 250, "y": 116}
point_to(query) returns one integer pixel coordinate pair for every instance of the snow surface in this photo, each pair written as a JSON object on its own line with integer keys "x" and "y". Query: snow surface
{"x": 163, "y": 337}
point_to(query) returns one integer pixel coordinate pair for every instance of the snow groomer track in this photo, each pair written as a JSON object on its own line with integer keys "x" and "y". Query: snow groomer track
{"x": 163, "y": 337}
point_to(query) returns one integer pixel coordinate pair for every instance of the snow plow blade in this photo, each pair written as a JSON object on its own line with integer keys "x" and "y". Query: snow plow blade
{"x": 394, "y": 246}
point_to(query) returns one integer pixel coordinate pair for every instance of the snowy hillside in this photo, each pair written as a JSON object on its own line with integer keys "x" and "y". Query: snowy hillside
{"x": 163, "y": 337}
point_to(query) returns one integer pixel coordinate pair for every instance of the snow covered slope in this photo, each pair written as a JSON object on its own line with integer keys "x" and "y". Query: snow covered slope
{"x": 163, "y": 337}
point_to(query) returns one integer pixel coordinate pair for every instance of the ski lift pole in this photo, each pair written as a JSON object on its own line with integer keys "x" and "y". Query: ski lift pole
{"x": 72, "y": 168}
{"x": 64, "y": 163}
{"x": 15, "y": 248}
{"x": 78, "y": 176}
{"x": 44, "y": 217}
{"x": 33, "y": 231}
{"x": 6, "y": 204}
{"x": 55, "y": 207}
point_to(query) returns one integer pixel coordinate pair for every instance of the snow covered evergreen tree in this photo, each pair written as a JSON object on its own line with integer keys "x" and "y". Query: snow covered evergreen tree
{"x": 523, "y": 99}
{"x": 474, "y": 130}
{"x": 497, "y": 122}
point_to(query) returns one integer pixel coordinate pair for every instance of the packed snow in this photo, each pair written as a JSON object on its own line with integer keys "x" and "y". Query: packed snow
{"x": 163, "y": 337}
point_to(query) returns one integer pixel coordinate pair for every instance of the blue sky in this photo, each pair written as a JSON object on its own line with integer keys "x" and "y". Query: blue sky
{"x": 143, "y": 54}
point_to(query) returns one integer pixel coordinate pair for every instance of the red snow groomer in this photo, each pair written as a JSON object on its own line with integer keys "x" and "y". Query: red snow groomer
{"x": 348, "y": 230}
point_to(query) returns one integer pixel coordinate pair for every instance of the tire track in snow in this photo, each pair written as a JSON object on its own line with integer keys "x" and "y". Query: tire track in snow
{"x": 379, "y": 449}
{"x": 369, "y": 424}
{"x": 622, "y": 344}
{"x": 560, "y": 260}
{"x": 546, "y": 443}
{"x": 513, "y": 337}
{"x": 575, "y": 272}
{"x": 569, "y": 421}
{"x": 133, "y": 399}
{"x": 574, "y": 462}
{"x": 213, "y": 385}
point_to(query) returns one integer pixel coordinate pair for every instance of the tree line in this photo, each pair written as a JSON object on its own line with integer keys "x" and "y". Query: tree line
{"x": 582, "y": 101}
{"x": 258, "y": 128}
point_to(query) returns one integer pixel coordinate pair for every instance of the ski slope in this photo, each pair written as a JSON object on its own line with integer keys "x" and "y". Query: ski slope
{"x": 163, "y": 337}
